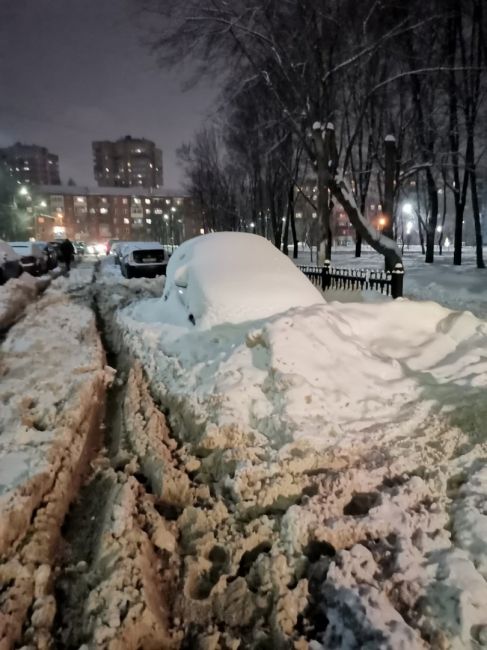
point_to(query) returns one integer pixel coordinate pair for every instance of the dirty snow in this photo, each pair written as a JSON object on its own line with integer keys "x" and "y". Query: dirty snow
{"x": 351, "y": 437}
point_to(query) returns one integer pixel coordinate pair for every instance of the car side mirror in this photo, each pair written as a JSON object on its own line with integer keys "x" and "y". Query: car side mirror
{"x": 181, "y": 277}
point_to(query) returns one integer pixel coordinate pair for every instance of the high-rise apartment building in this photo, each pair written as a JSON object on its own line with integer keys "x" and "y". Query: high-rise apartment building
{"x": 30, "y": 164}
{"x": 128, "y": 162}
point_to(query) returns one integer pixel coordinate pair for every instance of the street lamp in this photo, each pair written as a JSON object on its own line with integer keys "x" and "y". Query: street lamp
{"x": 407, "y": 208}
{"x": 23, "y": 191}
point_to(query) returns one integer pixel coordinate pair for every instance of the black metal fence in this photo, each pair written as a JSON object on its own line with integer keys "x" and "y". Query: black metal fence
{"x": 328, "y": 277}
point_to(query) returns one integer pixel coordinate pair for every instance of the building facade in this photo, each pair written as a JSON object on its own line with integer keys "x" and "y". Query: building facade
{"x": 97, "y": 215}
{"x": 128, "y": 162}
{"x": 30, "y": 164}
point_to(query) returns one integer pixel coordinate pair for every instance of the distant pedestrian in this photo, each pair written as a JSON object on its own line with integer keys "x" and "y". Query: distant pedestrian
{"x": 67, "y": 253}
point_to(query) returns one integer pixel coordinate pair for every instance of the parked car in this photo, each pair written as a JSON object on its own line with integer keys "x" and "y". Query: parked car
{"x": 116, "y": 250}
{"x": 51, "y": 250}
{"x": 110, "y": 244}
{"x": 9, "y": 263}
{"x": 79, "y": 247}
{"x": 33, "y": 257}
{"x": 143, "y": 259}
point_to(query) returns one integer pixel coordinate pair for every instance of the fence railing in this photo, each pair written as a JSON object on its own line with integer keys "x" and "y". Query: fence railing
{"x": 329, "y": 277}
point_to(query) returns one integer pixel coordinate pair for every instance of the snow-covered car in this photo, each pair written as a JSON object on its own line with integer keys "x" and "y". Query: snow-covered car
{"x": 33, "y": 257}
{"x": 232, "y": 277}
{"x": 116, "y": 250}
{"x": 142, "y": 259}
{"x": 9, "y": 263}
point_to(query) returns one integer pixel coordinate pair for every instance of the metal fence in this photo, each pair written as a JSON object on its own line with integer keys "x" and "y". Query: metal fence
{"x": 328, "y": 277}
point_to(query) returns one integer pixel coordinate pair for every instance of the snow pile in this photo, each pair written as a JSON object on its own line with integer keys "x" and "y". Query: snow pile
{"x": 51, "y": 391}
{"x": 321, "y": 373}
{"x": 15, "y": 295}
{"x": 208, "y": 279}
{"x": 343, "y": 446}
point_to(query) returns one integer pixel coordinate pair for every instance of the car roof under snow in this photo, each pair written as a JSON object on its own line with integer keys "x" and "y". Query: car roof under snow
{"x": 142, "y": 246}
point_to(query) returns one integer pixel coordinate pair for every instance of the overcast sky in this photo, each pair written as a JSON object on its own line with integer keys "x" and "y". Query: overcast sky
{"x": 73, "y": 71}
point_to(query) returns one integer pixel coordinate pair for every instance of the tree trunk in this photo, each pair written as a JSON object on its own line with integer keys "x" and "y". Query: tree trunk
{"x": 476, "y": 218}
{"x": 390, "y": 168}
{"x": 433, "y": 218}
{"x": 358, "y": 245}
{"x": 292, "y": 216}
{"x": 379, "y": 242}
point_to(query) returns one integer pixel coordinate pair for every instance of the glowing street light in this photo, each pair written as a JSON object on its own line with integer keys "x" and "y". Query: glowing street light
{"x": 23, "y": 191}
{"x": 409, "y": 227}
{"x": 252, "y": 225}
{"x": 407, "y": 208}
{"x": 439, "y": 228}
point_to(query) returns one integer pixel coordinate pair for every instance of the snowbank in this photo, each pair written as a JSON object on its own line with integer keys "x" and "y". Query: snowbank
{"x": 353, "y": 422}
{"x": 16, "y": 294}
{"x": 319, "y": 373}
{"x": 53, "y": 379}
{"x": 342, "y": 447}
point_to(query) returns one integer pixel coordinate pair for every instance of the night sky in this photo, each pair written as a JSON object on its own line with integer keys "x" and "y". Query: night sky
{"x": 73, "y": 71}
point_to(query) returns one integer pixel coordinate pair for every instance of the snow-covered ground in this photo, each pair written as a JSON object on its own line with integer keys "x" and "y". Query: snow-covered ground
{"x": 323, "y": 483}
{"x": 51, "y": 395}
{"x": 456, "y": 287}
{"x": 350, "y": 437}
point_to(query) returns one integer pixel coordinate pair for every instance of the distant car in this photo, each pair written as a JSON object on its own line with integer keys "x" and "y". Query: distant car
{"x": 52, "y": 252}
{"x": 142, "y": 259}
{"x": 9, "y": 263}
{"x": 33, "y": 257}
{"x": 79, "y": 248}
{"x": 110, "y": 244}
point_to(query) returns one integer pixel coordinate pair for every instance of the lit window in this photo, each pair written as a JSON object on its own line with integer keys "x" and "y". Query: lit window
{"x": 148, "y": 220}
{"x": 150, "y": 165}
{"x": 372, "y": 206}
{"x": 138, "y": 151}
{"x": 125, "y": 201}
{"x": 136, "y": 201}
{"x": 103, "y": 210}
{"x": 168, "y": 201}
{"x": 139, "y": 175}
{"x": 158, "y": 211}
{"x": 125, "y": 220}
{"x": 107, "y": 169}
{"x": 173, "y": 209}
{"x": 80, "y": 199}
{"x": 147, "y": 201}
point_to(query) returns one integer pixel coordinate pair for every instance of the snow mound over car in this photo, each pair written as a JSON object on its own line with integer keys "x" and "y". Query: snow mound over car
{"x": 324, "y": 372}
{"x": 208, "y": 281}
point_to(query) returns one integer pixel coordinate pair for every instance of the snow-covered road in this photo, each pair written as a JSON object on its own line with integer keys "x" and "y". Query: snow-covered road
{"x": 314, "y": 480}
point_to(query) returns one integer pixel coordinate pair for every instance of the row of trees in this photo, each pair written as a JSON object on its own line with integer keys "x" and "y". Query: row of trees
{"x": 314, "y": 87}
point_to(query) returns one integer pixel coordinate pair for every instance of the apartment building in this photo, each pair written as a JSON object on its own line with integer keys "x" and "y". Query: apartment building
{"x": 127, "y": 162}
{"x": 100, "y": 214}
{"x": 30, "y": 164}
